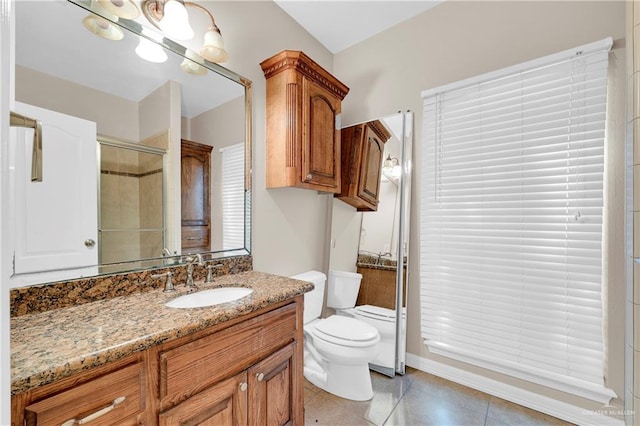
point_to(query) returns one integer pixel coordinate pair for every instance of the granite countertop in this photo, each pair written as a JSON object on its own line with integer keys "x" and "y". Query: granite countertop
{"x": 51, "y": 345}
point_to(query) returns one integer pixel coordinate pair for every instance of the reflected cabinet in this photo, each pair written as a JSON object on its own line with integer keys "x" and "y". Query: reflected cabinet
{"x": 362, "y": 154}
{"x": 303, "y": 123}
{"x": 195, "y": 162}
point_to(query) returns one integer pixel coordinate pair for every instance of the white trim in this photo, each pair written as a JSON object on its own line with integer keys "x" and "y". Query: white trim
{"x": 604, "y": 44}
{"x": 7, "y": 16}
{"x": 535, "y": 401}
{"x": 563, "y": 383}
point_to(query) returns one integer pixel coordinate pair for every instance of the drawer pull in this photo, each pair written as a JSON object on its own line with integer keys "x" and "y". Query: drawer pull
{"x": 194, "y": 238}
{"x": 260, "y": 376}
{"x": 99, "y": 413}
{"x": 243, "y": 387}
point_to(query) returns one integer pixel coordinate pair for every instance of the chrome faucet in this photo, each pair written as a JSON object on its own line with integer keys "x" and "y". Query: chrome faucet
{"x": 380, "y": 254}
{"x": 210, "y": 269}
{"x": 191, "y": 286}
{"x": 168, "y": 285}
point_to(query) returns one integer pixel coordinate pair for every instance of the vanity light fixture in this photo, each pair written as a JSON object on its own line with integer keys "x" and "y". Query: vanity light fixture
{"x": 121, "y": 8}
{"x": 172, "y": 18}
{"x": 103, "y": 28}
{"x": 110, "y": 10}
{"x": 191, "y": 64}
{"x": 391, "y": 169}
{"x": 390, "y": 163}
{"x": 150, "y": 51}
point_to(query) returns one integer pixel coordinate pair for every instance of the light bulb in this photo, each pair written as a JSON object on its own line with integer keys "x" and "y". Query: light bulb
{"x": 150, "y": 51}
{"x": 175, "y": 21}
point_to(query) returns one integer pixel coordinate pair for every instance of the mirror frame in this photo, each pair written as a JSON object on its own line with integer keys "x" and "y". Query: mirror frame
{"x": 402, "y": 273}
{"x": 400, "y": 225}
{"x": 154, "y": 36}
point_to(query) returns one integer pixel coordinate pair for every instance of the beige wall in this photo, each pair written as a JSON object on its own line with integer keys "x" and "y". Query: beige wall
{"x": 289, "y": 225}
{"x": 457, "y": 40}
{"x": 114, "y": 116}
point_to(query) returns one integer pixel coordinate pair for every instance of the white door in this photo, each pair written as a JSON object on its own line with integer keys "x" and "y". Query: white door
{"x": 56, "y": 220}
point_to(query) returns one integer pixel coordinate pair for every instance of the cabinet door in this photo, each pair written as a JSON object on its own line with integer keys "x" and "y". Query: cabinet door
{"x": 274, "y": 397}
{"x": 370, "y": 168}
{"x": 224, "y": 404}
{"x": 320, "y": 137}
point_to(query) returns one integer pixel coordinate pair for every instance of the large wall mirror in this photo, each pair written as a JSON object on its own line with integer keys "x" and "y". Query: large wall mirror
{"x": 375, "y": 245}
{"x": 113, "y": 125}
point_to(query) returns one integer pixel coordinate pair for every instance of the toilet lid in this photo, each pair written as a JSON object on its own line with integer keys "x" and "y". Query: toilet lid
{"x": 346, "y": 330}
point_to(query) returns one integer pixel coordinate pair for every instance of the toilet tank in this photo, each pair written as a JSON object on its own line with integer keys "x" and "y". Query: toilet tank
{"x": 343, "y": 289}
{"x": 313, "y": 299}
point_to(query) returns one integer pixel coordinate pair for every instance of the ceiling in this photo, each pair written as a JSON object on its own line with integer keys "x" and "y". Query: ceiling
{"x": 341, "y": 24}
{"x": 114, "y": 68}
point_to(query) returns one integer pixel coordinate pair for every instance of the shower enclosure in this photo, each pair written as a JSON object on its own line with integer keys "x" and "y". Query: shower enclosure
{"x": 131, "y": 201}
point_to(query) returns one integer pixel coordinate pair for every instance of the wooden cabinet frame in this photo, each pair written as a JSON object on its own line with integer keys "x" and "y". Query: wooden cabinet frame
{"x": 303, "y": 123}
{"x": 267, "y": 365}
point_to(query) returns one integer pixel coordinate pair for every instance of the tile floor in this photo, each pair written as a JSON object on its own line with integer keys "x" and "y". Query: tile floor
{"x": 418, "y": 398}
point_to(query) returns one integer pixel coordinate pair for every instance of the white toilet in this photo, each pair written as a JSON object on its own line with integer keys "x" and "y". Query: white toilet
{"x": 383, "y": 319}
{"x": 337, "y": 349}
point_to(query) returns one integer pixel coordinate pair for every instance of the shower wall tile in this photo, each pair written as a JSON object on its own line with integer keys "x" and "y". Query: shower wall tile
{"x": 151, "y": 207}
{"x": 119, "y": 246}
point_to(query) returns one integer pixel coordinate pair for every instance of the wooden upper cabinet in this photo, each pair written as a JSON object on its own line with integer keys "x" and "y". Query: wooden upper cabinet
{"x": 362, "y": 156}
{"x": 303, "y": 122}
{"x": 195, "y": 159}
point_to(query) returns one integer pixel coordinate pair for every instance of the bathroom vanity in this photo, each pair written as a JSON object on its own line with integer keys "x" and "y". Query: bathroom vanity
{"x": 133, "y": 360}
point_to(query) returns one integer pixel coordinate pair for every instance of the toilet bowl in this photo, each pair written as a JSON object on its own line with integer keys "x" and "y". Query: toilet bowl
{"x": 384, "y": 320}
{"x": 337, "y": 349}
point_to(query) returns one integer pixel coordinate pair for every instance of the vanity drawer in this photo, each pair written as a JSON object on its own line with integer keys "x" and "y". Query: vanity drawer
{"x": 194, "y": 366}
{"x": 195, "y": 237}
{"x": 114, "y": 398}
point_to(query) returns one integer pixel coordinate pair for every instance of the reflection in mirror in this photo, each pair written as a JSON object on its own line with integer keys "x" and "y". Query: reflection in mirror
{"x": 374, "y": 244}
{"x": 147, "y": 108}
{"x": 131, "y": 206}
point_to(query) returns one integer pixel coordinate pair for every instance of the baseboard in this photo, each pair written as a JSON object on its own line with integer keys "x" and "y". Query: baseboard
{"x": 541, "y": 403}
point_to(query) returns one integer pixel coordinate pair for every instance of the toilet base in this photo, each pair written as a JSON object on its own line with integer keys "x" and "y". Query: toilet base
{"x": 350, "y": 381}
{"x": 346, "y": 381}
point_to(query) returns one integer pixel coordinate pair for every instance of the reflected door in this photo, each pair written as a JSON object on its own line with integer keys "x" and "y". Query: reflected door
{"x": 56, "y": 219}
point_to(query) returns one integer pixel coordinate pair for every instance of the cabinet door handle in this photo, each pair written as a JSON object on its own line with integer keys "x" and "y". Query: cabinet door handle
{"x": 194, "y": 238}
{"x": 260, "y": 376}
{"x": 99, "y": 413}
{"x": 89, "y": 243}
{"x": 243, "y": 387}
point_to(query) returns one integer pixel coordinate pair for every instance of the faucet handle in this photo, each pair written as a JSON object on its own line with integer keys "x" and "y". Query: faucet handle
{"x": 210, "y": 269}
{"x": 168, "y": 285}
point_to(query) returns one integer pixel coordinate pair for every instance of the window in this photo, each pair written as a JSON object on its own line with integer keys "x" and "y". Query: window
{"x": 233, "y": 197}
{"x": 511, "y": 220}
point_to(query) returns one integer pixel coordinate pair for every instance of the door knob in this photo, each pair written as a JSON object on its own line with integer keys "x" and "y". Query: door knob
{"x": 89, "y": 243}
{"x": 260, "y": 376}
{"x": 243, "y": 387}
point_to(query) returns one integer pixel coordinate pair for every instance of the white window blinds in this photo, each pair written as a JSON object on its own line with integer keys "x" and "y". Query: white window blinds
{"x": 233, "y": 196}
{"x": 511, "y": 220}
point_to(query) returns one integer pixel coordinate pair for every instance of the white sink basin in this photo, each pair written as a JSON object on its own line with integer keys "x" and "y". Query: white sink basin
{"x": 214, "y": 296}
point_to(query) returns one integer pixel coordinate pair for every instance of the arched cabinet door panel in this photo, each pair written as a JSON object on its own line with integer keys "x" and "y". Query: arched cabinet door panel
{"x": 362, "y": 156}
{"x": 304, "y": 102}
